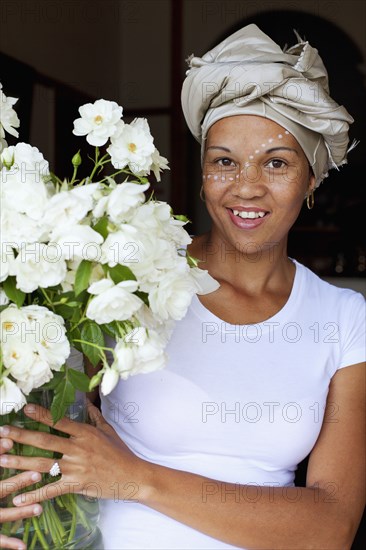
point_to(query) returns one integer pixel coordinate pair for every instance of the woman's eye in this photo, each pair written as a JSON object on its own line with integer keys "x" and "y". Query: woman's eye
{"x": 226, "y": 162}
{"x": 276, "y": 163}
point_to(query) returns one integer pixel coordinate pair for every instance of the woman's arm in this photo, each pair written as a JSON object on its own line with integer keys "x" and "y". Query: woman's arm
{"x": 323, "y": 515}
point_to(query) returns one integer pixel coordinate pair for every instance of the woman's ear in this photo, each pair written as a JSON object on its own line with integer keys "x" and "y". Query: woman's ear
{"x": 312, "y": 182}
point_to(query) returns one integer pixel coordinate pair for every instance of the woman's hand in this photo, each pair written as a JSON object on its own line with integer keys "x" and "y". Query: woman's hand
{"x": 11, "y": 485}
{"x": 94, "y": 462}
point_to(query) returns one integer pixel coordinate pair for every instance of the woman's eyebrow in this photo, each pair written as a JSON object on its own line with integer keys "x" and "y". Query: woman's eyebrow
{"x": 218, "y": 147}
{"x": 281, "y": 149}
{"x": 272, "y": 150}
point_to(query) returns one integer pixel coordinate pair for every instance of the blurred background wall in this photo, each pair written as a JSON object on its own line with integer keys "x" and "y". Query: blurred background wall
{"x": 57, "y": 54}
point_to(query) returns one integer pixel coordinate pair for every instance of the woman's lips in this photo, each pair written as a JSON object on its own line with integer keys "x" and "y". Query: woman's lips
{"x": 248, "y": 222}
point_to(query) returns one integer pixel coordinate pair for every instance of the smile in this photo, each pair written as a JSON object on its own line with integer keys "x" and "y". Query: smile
{"x": 249, "y": 215}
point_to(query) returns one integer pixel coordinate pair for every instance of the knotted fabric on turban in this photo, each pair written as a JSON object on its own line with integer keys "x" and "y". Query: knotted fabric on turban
{"x": 248, "y": 73}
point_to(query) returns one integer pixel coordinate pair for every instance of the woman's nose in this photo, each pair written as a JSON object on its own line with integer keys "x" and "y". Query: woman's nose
{"x": 248, "y": 181}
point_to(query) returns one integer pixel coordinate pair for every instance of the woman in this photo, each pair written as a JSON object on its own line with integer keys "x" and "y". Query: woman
{"x": 203, "y": 453}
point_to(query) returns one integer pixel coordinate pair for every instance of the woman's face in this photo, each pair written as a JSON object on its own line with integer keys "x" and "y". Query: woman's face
{"x": 255, "y": 178}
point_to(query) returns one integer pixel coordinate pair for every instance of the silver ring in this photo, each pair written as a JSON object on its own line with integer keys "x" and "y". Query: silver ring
{"x": 55, "y": 469}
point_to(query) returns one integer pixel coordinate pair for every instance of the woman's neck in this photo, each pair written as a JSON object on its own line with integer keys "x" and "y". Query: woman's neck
{"x": 252, "y": 269}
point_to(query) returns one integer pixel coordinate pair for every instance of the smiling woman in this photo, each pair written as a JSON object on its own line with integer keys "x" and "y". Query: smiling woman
{"x": 264, "y": 370}
{"x": 260, "y": 184}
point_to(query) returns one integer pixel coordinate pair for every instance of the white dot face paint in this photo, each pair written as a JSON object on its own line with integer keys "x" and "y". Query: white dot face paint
{"x": 280, "y": 136}
{"x": 287, "y": 132}
{"x": 256, "y": 151}
{"x": 216, "y": 178}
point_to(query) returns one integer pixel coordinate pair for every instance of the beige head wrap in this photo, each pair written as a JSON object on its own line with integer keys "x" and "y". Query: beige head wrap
{"x": 248, "y": 73}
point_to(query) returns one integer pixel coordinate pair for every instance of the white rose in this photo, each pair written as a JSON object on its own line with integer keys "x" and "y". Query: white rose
{"x": 3, "y": 145}
{"x": 8, "y": 117}
{"x": 99, "y": 121}
{"x": 23, "y": 188}
{"x": 38, "y": 265}
{"x": 122, "y": 202}
{"x": 155, "y": 257}
{"x": 78, "y": 241}
{"x": 205, "y": 284}
{"x": 51, "y": 342}
{"x": 4, "y": 300}
{"x": 175, "y": 231}
{"x": 124, "y": 357}
{"x": 6, "y": 260}
{"x": 152, "y": 216}
{"x": 70, "y": 207}
{"x": 148, "y": 350}
{"x": 113, "y": 302}
{"x": 18, "y": 229}
{"x": 121, "y": 247}
{"x": 12, "y": 398}
{"x": 109, "y": 380}
{"x": 172, "y": 296}
{"x": 34, "y": 343}
{"x": 30, "y": 370}
{"x": 159, "y": 164}
{"x": 133, "y": 146}
{"x": 12, "y": 319}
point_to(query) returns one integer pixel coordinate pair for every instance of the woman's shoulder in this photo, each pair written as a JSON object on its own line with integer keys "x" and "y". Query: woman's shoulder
{"x": 323, "y": 291}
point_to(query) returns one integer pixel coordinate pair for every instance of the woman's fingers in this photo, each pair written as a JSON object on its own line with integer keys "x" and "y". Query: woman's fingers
{"x": 16, "y": 462}
{"x": 41, "y": 440}
{"x": 11, "y": 542}
{"x": 40, "y": 414}
{"x": 14, "y": 514}
{"x": 18, "y": 482}
{"x": 52, "y": 490}
{"x": 5, "y": 445}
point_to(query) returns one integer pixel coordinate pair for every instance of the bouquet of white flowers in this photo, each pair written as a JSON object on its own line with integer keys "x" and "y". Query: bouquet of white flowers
{"x": 85, "y": 259}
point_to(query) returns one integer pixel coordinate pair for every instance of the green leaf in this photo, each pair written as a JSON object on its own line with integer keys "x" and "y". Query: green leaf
{"x": 13, "y": 293}
{"x": 102, "y": 227}
{"x": 57, "y": 377}
{"x": 143, "y": 295}
{"x": 64, "y": 397}
{"x": 82, "y": 276}
{"x": 181, "y": 218}
{"x": 121, "y": 273}
{"x": 79, "y": 380}
{"x": 91, "y": 332}
{"x": 66, "y": 312}
{"x": 110, "y": 328}
{"x": 75, "y": 335}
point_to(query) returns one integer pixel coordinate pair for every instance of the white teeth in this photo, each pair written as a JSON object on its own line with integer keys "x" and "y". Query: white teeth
{"x": 251, "y": 215}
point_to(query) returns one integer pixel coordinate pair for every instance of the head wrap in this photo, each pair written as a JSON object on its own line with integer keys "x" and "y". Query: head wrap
{"x": 248, "y": 73}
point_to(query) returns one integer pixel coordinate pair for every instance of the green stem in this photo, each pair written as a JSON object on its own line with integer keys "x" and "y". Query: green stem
{"x": 34, "y": 541}
{"x": 74, "y": 175}
{"x": 27, "y": 524}
{"x": 48, "y": 299}
{"x": 42, "y": 540}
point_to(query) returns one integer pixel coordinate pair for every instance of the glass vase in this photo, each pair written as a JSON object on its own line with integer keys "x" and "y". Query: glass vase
{"x": 68, "y": 521}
